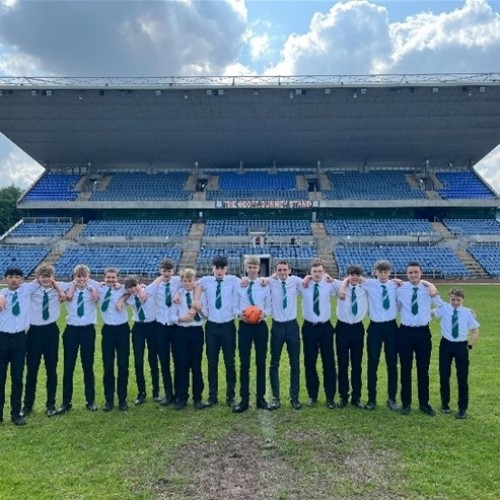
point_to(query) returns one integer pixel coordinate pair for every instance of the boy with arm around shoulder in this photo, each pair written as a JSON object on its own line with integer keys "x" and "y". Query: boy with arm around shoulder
{"x": 457, "y": 322}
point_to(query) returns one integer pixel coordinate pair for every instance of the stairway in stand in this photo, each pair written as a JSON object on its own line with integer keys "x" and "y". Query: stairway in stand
{"x": 192, "y": 246}
{"x": 324, "y": 248}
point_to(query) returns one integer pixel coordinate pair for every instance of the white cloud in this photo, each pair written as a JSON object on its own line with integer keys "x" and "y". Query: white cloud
{"x": 19, "y": 169}
{"x": 349, "y": 38}
{"x": 464, "y": 40}
{"x": 259, "y": 45}
{"x": 124, "y": 38}
{"x": 489, "y": 168}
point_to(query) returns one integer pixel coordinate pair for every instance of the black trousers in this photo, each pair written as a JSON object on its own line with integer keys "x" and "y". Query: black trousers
{"x": 221, "y": 336}
{"x": 115, "y": 345}
{"x": 188, "y": 358}
{"x": 458, "y": 351}
{"x": 144, "y": 334}
{"x": 165, "y": 342}
{"x": 349, "y": 339}
{"x": 258, "y": 335}
{"x": 79, "y": 338}
{"x": 382, "y": 333}
{"x": 286, "y": 332}
{"x": 318, "y": 339}
{"x": 13, "y": 351}
{"x": 415, "y": 340}
{"x": 43, "y": 340}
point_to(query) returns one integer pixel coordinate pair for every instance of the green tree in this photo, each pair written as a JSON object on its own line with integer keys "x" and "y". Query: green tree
{"x": 9, "y": 214}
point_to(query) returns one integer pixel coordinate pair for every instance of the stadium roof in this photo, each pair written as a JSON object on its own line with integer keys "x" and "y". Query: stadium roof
{"x": 342, "y": 121}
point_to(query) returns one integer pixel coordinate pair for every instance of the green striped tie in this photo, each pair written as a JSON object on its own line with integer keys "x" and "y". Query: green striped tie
{"x": 16, "y": 310}
{"x": 105, "y": 302}
{"x": 45, "y": 306}
{"x": 316, "y": 299}
{"x": 80, "y": 308}
{"x": 140, "y": 310}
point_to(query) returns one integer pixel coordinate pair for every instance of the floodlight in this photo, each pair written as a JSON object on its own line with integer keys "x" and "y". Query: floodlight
{"x": 328, "y": 91}
{"x": 482, "y": 89}
{"x": 435, "y": 90}
{"x": 157, "y": 92}
{"x": 48, "y": 93}
{"x": 363, "y": 91}
{"x": 34, "y": 93}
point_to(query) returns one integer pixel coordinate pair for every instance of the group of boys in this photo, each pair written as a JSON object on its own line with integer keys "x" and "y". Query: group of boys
{"x": 168, "y": 318}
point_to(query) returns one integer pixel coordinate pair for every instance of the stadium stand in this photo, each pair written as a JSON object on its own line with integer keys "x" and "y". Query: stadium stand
{"x": 54, "y": 187}
{"x": 473, "y": 226}
{"x": 378, "y": 227}
{"x": 462, "y": 185}
{"x": 299, "y": 257}
{"x": 257, "y": 185}
{"x": 437, "y": 262}
{"x": 40, "y": 229}
{"x": 24, "y": 257}
{"x": 374, "y": 185}
{"x": 136, "y": 228}
{"x": 144, "y": 260}
{"x": 488, "y": 256}
{"x": 137, "y": 186}
{"x": 235, "y": 227}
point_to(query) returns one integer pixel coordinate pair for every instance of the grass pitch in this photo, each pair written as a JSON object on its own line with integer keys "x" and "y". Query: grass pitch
{"x": 316, "y": 453}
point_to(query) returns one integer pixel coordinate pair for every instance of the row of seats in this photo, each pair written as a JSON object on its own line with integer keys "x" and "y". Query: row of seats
{"x": 257, "y": 194}
{"x": 235, "y": 227}
{"x": 473, "y": 226}
{"x": 436, "y": 261}
{"x": 373, "y": 185}
{"x": 144, "y": 228}
{"x": 25, "y": 258}
{"x": 143, "y": 186}
{"x": 256, "y": 181}
{"x": 488, "y": 257}
{"x": 378, "y": 227}
{"x": 54, "y": 187}
{"x": 462, "y": 185}
{"x": 41, "y": 229}
{"x": 349, "y": 185}
{"x": 144, "y": 261}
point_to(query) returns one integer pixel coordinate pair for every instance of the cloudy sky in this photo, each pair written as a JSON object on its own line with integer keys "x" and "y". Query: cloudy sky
{"x": 235, "y": 37}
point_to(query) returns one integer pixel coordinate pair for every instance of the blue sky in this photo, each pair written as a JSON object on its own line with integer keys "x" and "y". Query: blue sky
{"x": 233, "y": 37}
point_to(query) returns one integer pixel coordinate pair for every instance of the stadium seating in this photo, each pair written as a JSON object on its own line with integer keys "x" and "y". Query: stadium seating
{"x": 278, "y": 227}
{"x": 473, "y": 226}
{"x": 25, "y": 258}
{"x": 438, "y": 262}
{"x": 136, "y": 228}
{"x": 257, "y": 186}
{"x": 379, "y": 185}
{"x": 41, "y": 229}
{"x": 488, "y": 257}
{"x": 462, "y": 185}
{"x": 378, "y": 227}
{"x": 299, "y": 257}
{"x": 54, "y": 187}
{"x": 137, "y": 186}
{"x": 144, "y": 261}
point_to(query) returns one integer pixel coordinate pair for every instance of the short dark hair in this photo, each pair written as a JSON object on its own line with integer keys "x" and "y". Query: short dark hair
{"x": 13, "y": 271}
{"x": 354, "y": 269}
{"x": 458, "y": 292}
{"x": 219, "y": 261}
{"x": 414, "y": 263}
{"x": 167, "y": 264}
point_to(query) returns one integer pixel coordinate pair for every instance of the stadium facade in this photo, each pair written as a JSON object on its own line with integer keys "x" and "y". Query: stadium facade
{"x": 279, "y": 166}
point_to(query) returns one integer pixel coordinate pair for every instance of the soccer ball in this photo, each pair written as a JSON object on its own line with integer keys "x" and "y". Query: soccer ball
{"x": 252, "y": 314}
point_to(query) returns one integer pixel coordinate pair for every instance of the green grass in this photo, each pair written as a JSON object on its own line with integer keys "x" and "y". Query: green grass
{"x": 153, "y": 452}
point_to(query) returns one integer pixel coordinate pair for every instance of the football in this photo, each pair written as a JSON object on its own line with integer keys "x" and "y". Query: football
{"x": 252, "y": 314}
